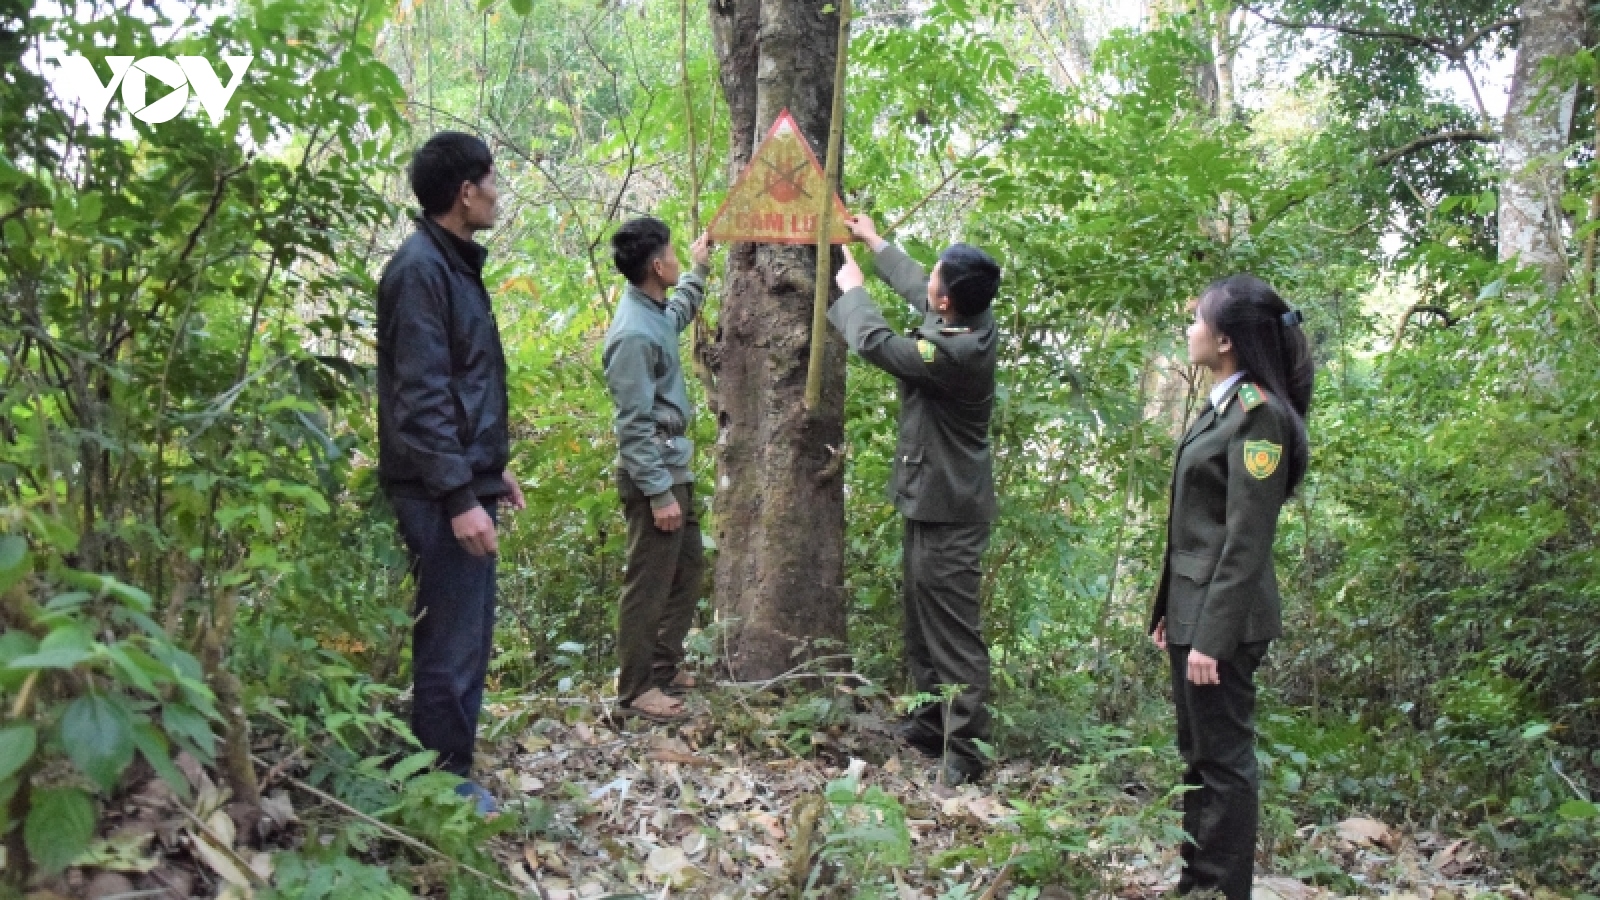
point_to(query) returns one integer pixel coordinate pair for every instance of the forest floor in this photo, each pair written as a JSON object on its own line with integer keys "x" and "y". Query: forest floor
{"x": 687, "y": 810}
{"x": 725, "y": 806}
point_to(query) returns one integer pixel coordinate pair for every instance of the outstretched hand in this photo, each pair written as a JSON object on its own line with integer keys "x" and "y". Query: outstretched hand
{"x": 700, "y": 250}
{"x": 864, "y": 230}
{"x": 849, "y": 276}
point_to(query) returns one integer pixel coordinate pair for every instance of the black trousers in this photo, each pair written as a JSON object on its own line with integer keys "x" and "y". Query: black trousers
{"x": 944, "y": 640}
{"x": 1217, "y": 739}
{"x": 660, "y": 590}
{"x": 450, "y": 644}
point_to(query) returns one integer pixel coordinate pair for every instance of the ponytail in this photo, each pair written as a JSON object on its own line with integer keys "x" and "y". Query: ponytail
{"x": 1271, "y": 347}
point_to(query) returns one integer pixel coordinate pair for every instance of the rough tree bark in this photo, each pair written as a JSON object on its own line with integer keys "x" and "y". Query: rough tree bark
{"x": 779, "y": 494}
{"x": 1538, "y": 122}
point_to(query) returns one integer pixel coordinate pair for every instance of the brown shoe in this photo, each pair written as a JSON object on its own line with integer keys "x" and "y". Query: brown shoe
{"x": 657, "y": 707}
{"x": 676, "y": 683}
{"x": 681, "y": 683}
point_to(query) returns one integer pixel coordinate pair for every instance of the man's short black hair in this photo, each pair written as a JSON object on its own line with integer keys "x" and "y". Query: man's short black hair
{"x": 443, "y": 164}
{"x": 636, "y": 244}
{"x": 969, "y": 277}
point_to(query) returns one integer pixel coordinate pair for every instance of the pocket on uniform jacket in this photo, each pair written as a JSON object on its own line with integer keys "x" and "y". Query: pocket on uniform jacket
{"x": 1193, "y": 566}
{"x": 910, "y": 462}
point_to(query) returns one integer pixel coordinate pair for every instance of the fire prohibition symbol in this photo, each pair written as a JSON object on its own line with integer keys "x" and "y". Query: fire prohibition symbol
{"x": 774, "y": 200}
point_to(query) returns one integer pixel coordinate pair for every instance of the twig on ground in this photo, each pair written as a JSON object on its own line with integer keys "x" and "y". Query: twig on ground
{"x": 224, "y": 847}
{"x": 396, "y": 833}
{"x": 1003, "y": 876}
{"x": 796, "y": 672}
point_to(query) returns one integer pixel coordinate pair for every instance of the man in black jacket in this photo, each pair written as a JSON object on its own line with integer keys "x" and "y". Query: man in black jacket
{"x": 443, "y": 440}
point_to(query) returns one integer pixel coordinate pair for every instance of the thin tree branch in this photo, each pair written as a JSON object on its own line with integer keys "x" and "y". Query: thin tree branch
{"x": 1454, "y": 51}
{"x": 1429, "y": 140}
{"x": 392, "y": 831}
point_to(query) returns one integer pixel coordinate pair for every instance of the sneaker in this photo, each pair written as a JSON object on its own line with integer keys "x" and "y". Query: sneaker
{"x": 486, "y": 804}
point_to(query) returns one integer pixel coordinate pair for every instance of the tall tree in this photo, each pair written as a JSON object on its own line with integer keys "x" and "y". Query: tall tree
{"x": 1403, "y": 40}
{"x": 779, "y": 498}
{"x": 1537, "y": 124}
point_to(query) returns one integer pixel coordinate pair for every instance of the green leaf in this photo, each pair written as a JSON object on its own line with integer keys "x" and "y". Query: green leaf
{"x": 106, "y": 585}
{"x": 191, "y": 728}
{"x": 89, "y": 208}
{"x": 153, "y": 747}
{"x": 17, "y": 743}
{"x": 14, "y": 644}
{"x": 411, "y": 765}
{"x": 522, "y": 7}
{"x": 130, "y": 668}
{"x": 1579, "y": 809}
{"x": 62, "y": 648}
{"x": 59, "y": 827}
{"x": 97, "y": 731}
{"x": 14, "y": 562}
{"x": 1535, "y": 731}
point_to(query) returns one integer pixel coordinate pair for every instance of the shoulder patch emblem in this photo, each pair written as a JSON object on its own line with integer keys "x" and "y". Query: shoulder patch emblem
{"x": 1250, "y": 396}
{"x": 1261, "y": 458}
{"x": 925, "y": 350}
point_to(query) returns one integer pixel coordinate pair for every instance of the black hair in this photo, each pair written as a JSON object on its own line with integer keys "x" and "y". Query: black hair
{"x": 969, "y": 277}
{"x": 636, "y": 244}
{"x": 439, "y": 168}
{"x": 1271, "y": 347}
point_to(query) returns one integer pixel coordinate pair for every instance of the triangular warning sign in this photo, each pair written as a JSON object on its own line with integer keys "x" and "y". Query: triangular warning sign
{"x": 776, "y": 199}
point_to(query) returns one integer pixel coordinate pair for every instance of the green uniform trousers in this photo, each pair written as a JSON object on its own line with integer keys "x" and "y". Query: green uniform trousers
{"x": 666, "y": 570}
{"x": 1217, "y": 739}
{"x": 944, "y": 642}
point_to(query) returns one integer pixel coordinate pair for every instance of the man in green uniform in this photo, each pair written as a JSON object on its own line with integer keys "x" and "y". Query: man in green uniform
{"x": 943, "y": 482}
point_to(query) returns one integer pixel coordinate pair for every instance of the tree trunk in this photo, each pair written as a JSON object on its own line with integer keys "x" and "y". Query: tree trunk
{"x": 779, "y": 494}
{"x": 1538, "y": 122}
{"x": 1225, "y": 32}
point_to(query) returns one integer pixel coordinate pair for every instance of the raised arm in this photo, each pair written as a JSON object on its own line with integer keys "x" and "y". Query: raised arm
{"x": 867, "y": 332}
{"x": 900, "y": 271}
{"x": 690, "y": 294}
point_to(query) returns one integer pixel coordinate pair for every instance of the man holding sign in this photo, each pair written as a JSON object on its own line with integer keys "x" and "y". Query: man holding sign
{"x": 943, "y": 482}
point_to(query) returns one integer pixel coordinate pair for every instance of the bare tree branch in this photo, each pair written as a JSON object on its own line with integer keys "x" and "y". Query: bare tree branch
{"x": 1454, "y": 51}
{"x": 1429, "y": 140}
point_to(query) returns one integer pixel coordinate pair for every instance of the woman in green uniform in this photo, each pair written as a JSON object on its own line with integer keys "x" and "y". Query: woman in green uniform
{"x": 1217, "y": 606}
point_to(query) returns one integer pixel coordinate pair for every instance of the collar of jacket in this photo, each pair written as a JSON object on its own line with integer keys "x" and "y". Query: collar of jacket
{"x": 975, "y": 323}
{"x": 1213, "y": 413}
{"x": 466, "y": 257}
{"x": 1228, "y": 395}
{"x": 637, "y": 294}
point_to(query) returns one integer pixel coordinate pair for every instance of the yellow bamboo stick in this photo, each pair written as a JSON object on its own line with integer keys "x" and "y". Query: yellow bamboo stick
{"x": 819, "y": 312}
